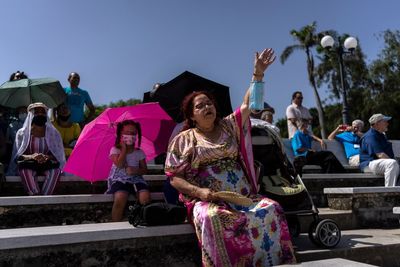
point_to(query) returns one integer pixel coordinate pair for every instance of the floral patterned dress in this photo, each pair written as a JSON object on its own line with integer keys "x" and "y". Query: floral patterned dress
{"x": 229, "y": 235}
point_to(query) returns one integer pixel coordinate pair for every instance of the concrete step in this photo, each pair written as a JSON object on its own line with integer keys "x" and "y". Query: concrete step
{"x": 344, "y": 218}
{"x": 329, "y": 263}
{"x": 373, "y": 206}
{"x": 371, "y": 246}
{"x": 30, "y": 211}
{"x": 66, "y": 185}
{"x": 316, "y": 182}
{"x": 105, "y": 244}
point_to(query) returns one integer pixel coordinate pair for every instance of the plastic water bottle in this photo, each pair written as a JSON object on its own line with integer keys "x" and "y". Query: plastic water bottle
{"x": 256, "y": 96}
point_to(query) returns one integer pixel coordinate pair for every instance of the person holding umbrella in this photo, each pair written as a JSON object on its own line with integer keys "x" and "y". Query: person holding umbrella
{"x": 213, "y": 154}
{"x": 38, "y": 150}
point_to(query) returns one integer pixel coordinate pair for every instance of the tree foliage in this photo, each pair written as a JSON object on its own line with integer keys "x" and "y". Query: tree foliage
{"x": 306, "y": 40}
{"x": 371, "y": 88}
{"x": 119, "y": 103}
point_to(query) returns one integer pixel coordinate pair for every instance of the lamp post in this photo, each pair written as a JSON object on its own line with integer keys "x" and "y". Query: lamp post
{"x": 350, "y": 45}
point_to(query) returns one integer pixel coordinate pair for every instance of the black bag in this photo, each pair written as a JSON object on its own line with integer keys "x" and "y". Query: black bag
{"x": 38, "y": 167}
{"x": 158, "y": 213}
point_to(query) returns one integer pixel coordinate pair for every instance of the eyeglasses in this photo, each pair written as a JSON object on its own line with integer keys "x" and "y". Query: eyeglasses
{"x": 299, "y": 97}
{"x": 203, "y": 105}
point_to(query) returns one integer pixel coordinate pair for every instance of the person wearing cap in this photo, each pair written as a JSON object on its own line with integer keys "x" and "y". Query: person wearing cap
{"x": 295, "y": 112}
{"x": 305, "y": 155}
{"x": 350, "y": 137}
{"x": 376, "y": 151}
{"x": 38, "y": 150}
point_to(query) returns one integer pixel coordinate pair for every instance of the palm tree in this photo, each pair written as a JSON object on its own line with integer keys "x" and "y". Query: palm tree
{"x": 307, "y": 39}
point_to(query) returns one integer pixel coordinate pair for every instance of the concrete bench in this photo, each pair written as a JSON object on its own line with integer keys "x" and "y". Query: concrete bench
{"x": 330, "y": 263}
{"x": 120, "y": 244}
{"x": 313, "y": 181}
{"x": 28, "y": 211}
{"x": 337, "y": 148}
{"x": 12, "y": 185}
{"x": 72, "y": 178}
{"x": 316, "y": 182}
{"x": 103, "y": 244}
{"x": 372, "y": 206}
{"x": 332, "y": 145}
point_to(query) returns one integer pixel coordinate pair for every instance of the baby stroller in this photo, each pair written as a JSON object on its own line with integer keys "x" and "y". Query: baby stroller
{"x": 278, "y": 180}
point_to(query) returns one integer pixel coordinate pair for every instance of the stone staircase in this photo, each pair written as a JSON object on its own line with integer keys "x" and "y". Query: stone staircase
{"x": 91, "y": 242}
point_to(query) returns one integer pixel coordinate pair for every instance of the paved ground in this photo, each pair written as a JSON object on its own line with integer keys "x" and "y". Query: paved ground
{"x": 331, "y": 263}
{"x": 372, "y": 246}
{"x": 353, "y": 239}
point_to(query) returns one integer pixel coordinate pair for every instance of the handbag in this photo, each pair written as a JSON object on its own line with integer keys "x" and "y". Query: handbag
{"x": 158, "y": 213}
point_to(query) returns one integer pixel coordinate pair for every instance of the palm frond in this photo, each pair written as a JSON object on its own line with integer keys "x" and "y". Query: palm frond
{"x": 288, "y": 51}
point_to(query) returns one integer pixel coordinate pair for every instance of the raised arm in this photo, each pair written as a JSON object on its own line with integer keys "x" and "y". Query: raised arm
{"x": 261, "y": 63}
{"x": 335, "y": 132}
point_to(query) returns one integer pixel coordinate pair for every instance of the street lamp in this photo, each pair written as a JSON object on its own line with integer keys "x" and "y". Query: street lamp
{"x": 350, "y": 45}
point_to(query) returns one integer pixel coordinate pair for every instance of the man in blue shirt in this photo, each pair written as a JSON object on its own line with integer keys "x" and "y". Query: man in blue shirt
{"x": 77, "y": 99}
{"x": 304, "y": 155}
{"x": 376, "y": 151}
{"x": 350, "y": 137}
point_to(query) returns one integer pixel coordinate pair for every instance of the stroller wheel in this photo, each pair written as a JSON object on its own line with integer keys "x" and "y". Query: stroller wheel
{"x": 312, "y": 233}
{"x": 327, "y": 233}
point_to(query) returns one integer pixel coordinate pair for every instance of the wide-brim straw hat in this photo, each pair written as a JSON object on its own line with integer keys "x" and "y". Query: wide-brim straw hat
{"x": 234, "y": 198}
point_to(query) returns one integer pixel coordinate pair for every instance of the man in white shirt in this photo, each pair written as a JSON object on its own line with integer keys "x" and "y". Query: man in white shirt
{"x": 295, "y": 113}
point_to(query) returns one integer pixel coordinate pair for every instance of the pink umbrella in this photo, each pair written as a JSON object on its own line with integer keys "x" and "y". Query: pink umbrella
{"x": 90, "y": 157}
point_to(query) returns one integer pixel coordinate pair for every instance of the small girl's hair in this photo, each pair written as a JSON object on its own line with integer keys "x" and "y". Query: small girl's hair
{"x": 121, "y": 125}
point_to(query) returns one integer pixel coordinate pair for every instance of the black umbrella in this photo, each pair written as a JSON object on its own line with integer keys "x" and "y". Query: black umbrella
{"x": 171, "y": 94}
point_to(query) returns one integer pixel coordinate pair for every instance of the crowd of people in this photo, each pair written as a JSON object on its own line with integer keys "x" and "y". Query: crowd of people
{"x": 34, "y": 141}
{"x": 206, "y": 154}
{"x": 371, "y": 151}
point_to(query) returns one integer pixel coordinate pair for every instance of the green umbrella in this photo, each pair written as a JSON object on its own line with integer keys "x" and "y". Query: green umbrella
{"x": 26, "y": 91}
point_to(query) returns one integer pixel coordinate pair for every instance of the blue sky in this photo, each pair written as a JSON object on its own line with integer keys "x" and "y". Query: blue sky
{"x": 122, "y": 47}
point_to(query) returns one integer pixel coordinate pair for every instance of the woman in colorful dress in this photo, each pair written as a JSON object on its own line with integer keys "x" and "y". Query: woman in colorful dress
{"x": 214, "y": 154}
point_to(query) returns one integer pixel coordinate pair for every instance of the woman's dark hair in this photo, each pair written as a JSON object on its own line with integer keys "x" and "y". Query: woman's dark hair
{"x": 72, "y": 73}
{"x": 295, "y": 93}
{"x": 121, "y": 125}
{"x": 19, "y": 74}
{"x": 187, "y": 108}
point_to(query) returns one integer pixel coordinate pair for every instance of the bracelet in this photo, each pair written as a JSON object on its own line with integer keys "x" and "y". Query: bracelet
{"x": 258, "y": 75}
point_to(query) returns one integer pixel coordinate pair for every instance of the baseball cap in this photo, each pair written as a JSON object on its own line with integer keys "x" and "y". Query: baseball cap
{"x": 378, "y": 117}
